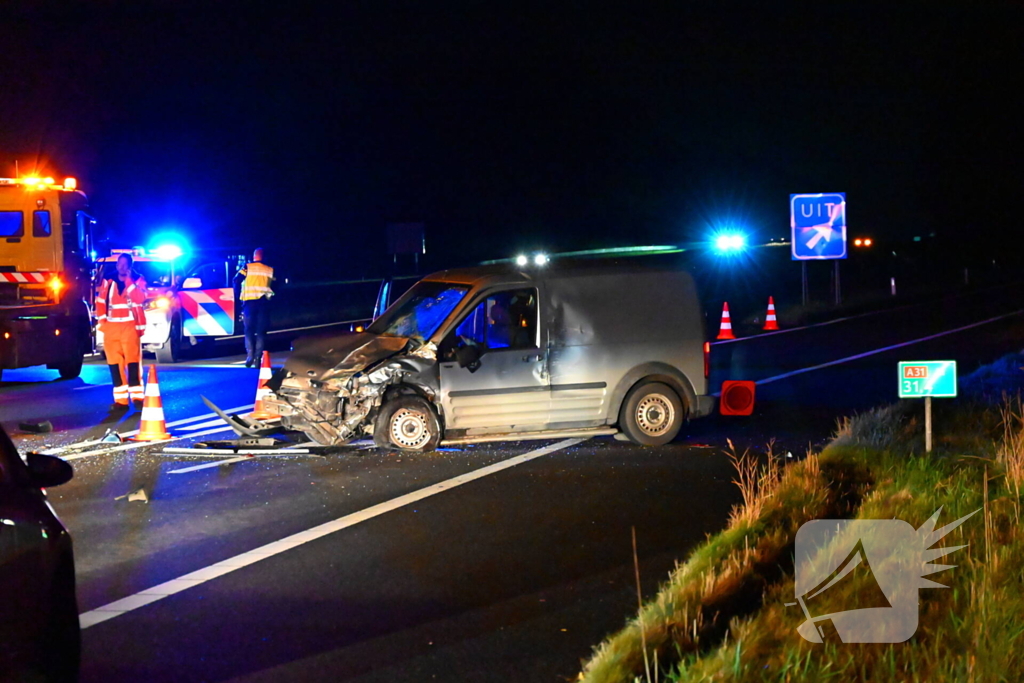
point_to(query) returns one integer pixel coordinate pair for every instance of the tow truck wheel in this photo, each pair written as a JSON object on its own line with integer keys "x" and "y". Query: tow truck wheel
{"x": 652, "y": 414}
{"x": 408, "y": 424}
{"x": 71, "y": 369}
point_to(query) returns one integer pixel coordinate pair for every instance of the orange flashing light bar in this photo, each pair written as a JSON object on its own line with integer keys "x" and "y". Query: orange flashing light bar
{"x": 38, "y": 183}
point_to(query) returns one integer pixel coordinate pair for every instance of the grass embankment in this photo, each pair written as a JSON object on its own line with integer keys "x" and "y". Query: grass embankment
{"x": 722, "y": 614}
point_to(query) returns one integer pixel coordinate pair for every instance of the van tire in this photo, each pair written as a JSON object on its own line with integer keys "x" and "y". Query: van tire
{"x": 652, "y": 414}
{"x": 408, "y": 423}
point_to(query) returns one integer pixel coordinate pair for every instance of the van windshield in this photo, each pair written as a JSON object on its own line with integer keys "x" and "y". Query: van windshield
{"x": 420, "y": 311}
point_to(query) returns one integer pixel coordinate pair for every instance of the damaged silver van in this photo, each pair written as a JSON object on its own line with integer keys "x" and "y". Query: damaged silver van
{"x": 502, "y": 352}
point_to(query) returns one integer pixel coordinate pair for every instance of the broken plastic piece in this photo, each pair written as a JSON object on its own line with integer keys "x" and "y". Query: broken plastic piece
{"x": 112, "y": 437}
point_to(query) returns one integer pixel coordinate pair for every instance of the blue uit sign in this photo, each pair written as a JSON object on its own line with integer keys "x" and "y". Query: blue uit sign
{"x": 818, "y": 223}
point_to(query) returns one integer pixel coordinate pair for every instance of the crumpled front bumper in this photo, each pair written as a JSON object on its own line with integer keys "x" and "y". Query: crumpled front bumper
{"x": 316, "y": 412}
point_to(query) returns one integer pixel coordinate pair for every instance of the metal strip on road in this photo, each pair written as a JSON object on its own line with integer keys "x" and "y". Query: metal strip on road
{"x": 145, "y": 597}
{"x": 57, "y": 450}
{"x": 787, "y": 375}
{"x": 243, "y": 456}
{"x": 141, "y": 444}
{"x": 208, "y": 465}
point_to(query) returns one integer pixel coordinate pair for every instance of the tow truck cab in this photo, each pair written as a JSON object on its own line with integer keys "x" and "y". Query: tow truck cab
{"x": 45, "y": 260}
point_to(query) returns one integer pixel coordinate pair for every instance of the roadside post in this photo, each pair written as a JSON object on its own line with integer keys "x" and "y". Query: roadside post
{"x": 927, "y": 379}
{"x": 818, "y": 233}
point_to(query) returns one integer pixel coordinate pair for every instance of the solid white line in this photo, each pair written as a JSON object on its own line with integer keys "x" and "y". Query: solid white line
{"x": 787, "y": 375}
{"x": 837, "y": 320}
{"x": 248, "y": 407}
{"x": 202, "y": 425}
{"x": 132, "y": 602}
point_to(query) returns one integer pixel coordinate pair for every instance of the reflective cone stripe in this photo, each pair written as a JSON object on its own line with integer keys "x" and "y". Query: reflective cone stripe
{"x": 260, "y": 412}
{"x": 725, "y": 331}
{"x": 770, "y": 323}
{"x": 153, "y": 426}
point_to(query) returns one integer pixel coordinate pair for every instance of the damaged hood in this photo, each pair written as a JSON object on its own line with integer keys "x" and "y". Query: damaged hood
{"x": 326, "y": 356}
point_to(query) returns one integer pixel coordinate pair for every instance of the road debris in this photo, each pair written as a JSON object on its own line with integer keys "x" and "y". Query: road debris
{"x": 140, "y": 494}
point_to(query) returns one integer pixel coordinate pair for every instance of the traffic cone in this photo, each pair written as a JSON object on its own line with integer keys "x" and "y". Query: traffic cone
{"x": 153, "y": 426}
{"x": 725, "y": 332}
{"x": 260, "y": 412}
{"x": 770, "y": 323}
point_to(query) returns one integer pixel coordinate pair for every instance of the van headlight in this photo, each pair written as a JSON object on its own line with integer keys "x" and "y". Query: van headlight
{"x": 161, "y": 303}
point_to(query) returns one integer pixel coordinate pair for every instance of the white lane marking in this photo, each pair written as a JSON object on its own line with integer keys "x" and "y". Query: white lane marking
{"x": 787, "y": 375}
{"x": 205, "y": 416}
{"x": 202, "y": 425}
{"x": 87, "y": 386}
{"x": 140, "y": 444}
{"x": 132, "y": 602}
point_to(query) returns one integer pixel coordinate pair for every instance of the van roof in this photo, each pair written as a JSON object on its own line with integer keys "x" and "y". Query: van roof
{"x": 510, "y": 273}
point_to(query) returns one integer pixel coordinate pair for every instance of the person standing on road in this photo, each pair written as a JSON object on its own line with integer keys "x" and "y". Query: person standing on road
{"x": 256, "y": 292}
{"x": 121, "y": 317}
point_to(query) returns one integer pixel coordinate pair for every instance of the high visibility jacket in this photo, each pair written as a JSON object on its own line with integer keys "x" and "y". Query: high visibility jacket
{"x": 126, "y": 307}
{"x": 256, "y": 284}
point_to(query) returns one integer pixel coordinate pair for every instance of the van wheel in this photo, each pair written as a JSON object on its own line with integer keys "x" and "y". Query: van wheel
{"x": 408, "y": 424}
{"x": 652, "y": 414}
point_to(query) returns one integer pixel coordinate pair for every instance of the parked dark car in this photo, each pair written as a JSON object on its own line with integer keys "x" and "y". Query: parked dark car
{"x": 39, "y": 631}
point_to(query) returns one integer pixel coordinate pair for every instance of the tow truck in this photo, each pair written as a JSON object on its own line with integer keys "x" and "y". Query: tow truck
{"x": 184, "y": 306}
{"x": 45, "y": 262}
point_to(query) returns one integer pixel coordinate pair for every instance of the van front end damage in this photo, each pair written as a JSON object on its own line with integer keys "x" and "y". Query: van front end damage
{"x": 331, "y": 388}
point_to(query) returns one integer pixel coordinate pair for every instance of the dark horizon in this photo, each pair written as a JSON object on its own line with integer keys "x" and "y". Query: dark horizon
{"x": 306, "y": 130}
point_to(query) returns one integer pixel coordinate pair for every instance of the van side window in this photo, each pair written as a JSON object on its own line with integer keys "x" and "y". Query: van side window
{"x": 504, "y": 320}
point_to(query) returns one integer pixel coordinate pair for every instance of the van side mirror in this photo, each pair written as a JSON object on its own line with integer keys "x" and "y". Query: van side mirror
{"x": 468, "y": 357}
{"x": 47, "y": 471}
{"x": 192, "y": 283}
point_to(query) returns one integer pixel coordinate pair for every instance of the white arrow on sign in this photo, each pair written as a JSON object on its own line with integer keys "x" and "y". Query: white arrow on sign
{"x": 821, "y": 232}
{"x": 824, "y": 232}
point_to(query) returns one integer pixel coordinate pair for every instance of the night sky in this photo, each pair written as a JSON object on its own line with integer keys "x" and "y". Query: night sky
{"x": 306, "y": 128}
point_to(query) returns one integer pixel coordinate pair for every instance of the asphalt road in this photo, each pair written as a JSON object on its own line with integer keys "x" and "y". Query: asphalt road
{"x": 485, "y": 563}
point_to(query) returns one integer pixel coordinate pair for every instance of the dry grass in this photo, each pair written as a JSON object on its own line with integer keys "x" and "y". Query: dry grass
{"x": 1010, "y": 454}
{"x": 722, "y": 615}
{"x": 727, "y": 576}
{"x": 757, "y": 482}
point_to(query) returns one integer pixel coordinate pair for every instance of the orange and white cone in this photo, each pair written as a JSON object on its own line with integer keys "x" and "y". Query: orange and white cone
{"x": 770, "y": 323}
{"x": 153, "y": 426}
{"x": 260, "y": 411}
{"x": 725, "y": 331}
